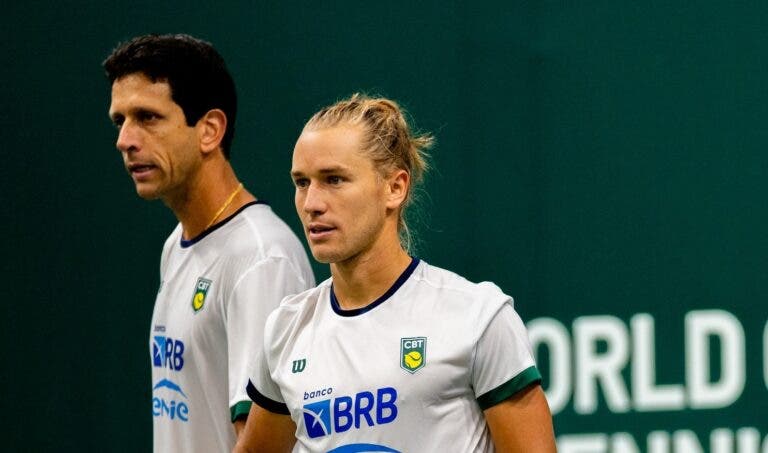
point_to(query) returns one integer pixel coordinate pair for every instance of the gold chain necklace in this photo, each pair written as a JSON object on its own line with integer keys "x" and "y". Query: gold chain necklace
{"x": 226, "y": 204}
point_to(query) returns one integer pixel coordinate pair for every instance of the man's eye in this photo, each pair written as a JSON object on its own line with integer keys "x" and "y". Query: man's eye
{"x": 301, "y": 183}
{"x": 147, "y": 116}
{"x": 334, "y": 180}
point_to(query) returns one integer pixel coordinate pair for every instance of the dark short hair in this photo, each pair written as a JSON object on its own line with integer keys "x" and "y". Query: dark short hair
{"x": 194, "y": 70}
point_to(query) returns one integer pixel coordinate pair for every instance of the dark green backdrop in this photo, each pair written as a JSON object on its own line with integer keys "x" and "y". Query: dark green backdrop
{"x": 597, "y": 159}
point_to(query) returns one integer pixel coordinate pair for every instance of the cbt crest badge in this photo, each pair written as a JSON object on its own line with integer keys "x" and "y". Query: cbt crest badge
{"x": 201, "y": 290}
{"x": 413, "y": 353}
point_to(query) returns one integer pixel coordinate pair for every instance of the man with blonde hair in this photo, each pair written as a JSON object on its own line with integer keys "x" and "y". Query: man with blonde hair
{"x": 390, "y": 354}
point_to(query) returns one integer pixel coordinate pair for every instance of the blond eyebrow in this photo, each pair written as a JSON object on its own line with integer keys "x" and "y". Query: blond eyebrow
{"x": 324, "y": 171}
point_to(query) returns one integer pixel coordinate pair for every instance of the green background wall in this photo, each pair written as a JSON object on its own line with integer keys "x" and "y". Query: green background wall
{"x": 596, "y": 160}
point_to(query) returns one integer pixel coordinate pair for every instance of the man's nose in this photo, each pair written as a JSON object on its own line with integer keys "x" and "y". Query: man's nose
{"x": 127, "y": 138}
{"x": 314, "y": 200}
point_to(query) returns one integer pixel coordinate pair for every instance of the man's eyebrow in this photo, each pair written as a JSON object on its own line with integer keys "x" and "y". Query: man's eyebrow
{"x": 333, "y": 169}
{"x": 323, "y": 171}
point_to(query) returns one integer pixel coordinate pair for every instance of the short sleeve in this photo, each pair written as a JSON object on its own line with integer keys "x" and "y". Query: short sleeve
{"x": 256, "y": 294}
{"x": 503, "y": 363}
{"x": 263, "y": 390}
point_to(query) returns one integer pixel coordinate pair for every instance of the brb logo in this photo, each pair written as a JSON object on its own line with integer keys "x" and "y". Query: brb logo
{"x": 167, "y": 352}
{"x": 343, "y": 412}
{"x": 165, "y": 402}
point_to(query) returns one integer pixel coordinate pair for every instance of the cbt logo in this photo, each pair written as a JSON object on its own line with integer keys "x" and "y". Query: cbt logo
{"x": 167, "y": 352}
{"x": 165, "y": 404}
{"x": 413, "y": 353}
{"x": 201, "y": 290}
{"x": 343, "y": 412}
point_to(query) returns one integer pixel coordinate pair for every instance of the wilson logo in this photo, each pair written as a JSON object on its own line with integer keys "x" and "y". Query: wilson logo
{"x": 299, "y": 365}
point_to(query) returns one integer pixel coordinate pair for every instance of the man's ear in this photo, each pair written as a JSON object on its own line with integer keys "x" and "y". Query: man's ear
{"x": 211, "y": 128}
{"x": 398, "y": 184}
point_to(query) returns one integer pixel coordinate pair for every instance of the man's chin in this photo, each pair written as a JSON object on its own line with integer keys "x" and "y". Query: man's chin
{"x": 147, "y": 193}
{"x": 325, "y": 256}
{"x": 322, "y": 258}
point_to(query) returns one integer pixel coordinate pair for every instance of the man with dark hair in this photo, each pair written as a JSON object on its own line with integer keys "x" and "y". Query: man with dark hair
{"x": 230, "y": 260}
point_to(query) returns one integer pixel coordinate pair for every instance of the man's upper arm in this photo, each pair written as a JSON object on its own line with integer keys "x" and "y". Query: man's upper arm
{"x": 506, "y": 383}
{"x": 269, "y": 427}
{"x": 266, "y": 431}
{"x": 522, "y": 423}
{"x": 503, "y": 362}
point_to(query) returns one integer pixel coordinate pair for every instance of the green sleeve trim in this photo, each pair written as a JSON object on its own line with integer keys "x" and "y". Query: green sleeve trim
{"x": 522, "y": 380}
{"x": 240, "y": 410}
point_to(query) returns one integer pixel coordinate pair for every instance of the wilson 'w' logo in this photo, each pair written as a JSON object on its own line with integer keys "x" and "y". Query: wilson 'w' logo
{"x": 299, "y": 365}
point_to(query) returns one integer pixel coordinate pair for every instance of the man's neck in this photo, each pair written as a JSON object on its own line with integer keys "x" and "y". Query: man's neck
{"x": 196, "y": 208}
{"x": 361, "y": 280}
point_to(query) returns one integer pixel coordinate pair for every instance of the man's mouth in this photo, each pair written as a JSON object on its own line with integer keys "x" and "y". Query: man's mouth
{"x": 318, "y": 231}
{"x": 140, "y": 169}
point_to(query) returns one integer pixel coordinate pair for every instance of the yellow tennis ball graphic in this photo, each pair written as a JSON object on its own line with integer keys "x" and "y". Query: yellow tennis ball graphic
{"x": 413, "y": 359}
{"x": 197, "y": 302}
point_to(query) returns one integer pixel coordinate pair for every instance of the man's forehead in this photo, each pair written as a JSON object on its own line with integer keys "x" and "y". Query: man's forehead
{"x": 138, "y": 88}
{"x": 141, "y": 75}
{"x": 138, "y": 83}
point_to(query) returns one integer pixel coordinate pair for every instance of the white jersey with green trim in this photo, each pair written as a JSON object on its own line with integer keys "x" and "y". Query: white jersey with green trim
{"x": 413, "y": 371}
{"x": 215, "y": 294}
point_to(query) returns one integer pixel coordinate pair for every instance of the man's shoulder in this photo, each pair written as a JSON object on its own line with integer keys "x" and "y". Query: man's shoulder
{"x": 256, "y": 230}
{"x": 172, "y": 242}
{"x": 305, "y": 301}
{"x": 259, "y": 220}
{"x": 466, "y": 306}
{"x": 297, "y": 310}
{"x": 447, "y": 282}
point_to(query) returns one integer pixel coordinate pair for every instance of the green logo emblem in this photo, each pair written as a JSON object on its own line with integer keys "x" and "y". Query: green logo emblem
{"x": 413, "y": 353}
{"x": 299, "y": 365}
{"x": 201, "y": 289}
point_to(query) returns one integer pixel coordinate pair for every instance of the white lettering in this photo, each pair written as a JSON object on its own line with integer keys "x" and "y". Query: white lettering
{"x": 686, "y": 441}
{"x": 658, "y": 442}
{"x": 582, "y": 443}
{"x": 410, "y": 344}
{"x": 721, "y": 441}
{"x": 551, "y": 334}
{"x": 623, "y": 443}
{"x": 699, "y": 326}
{"x": 765, "y": 355}
{"x": 592, "y": 366}
{"x": 748, "y": 441}
{"x": 646, "y": 395}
